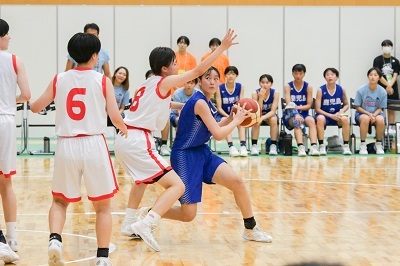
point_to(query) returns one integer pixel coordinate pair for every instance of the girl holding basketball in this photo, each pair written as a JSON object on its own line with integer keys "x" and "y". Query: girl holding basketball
{"x": 195, "y": 164}
{"x": 226, "y": 96}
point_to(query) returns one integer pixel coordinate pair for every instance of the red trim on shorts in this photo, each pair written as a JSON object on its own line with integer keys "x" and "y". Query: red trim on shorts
{"x": 9, "y": 174}
{"x": 54, "y": 86}
{"x": 163, "y": 169}
{"x": 112, "y": 169}
{"x": 60, "y": 195}
{"x": 76, "y": 136}
{"x": 139, "y": 128}
{"x": 14, "y": 62}
{"x": 158, "y": 90}
{"x": 103, "y": 197}
{"x": 103, "y": 86}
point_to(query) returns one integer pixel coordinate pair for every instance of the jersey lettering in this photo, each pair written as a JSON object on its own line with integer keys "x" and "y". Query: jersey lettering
{"x": 72, "y": 104}
{"x": 135, "y": 101}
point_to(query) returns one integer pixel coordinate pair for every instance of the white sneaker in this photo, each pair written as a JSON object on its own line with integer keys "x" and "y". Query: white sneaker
{"x": 301, "y": 151}
{"x": 102, "y": 261}
{"x": 233, "y": 152}
{"x": 126, "y": 229}
{"x": 7, "y": 254}
{"x": 392, "y": 131}
{"x": 164, "y": 150}
{"x": 273, "y": 150}
{"x": 142, "y": 213}
{"x": 346, "y": 149}
{"x": 254, "y": 150}
{"x": 256, "y": 234}
{"x": 314, "y": 150}
{"x": 322, "y": 149}
{"x": 143, "y": 230}
{"x": 379, "y": 148}
{"x": 243, "y": 151}
{"x": 363, "y": 149}
{"x": 13, "y": 243}
{"x": 55, "y": 253}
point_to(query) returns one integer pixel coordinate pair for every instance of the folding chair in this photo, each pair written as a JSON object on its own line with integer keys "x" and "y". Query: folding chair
{"x": 23, "y": 127}
{"x": 395, "y": 106}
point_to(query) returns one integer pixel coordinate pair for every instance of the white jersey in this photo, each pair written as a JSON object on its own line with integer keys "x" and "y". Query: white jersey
{"x": 149, "y": 110}
{"x": 80, "y": 100}
{"x": 8, "y": 83}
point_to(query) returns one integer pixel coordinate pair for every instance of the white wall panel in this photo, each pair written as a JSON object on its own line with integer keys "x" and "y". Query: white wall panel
{"x": 139, "y": 29}
{"x": 361, "y": 38}
{"x": 260, "y": 48}
{"x": 72, "y": 19}
{"x": 312, "y": 39}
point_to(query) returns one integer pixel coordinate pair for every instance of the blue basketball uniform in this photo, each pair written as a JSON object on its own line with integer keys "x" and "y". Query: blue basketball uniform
{"x": 267, "y": 104}
{"x": 331, "y": 103}
{"x": 229, "y": 98}
{"x": 299, "y": 97}
{"x": 191, "y": 158}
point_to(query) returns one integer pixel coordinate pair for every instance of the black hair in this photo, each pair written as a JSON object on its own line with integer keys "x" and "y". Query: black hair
{"x": 82, "y": 46}
{"x": 267, "y": 76}
{"x": 4, "y": 28}
{"x": 91, "y": 26}
{"x": 387, "y": 43}
{"x": 334, "y": 70}
{"x": 148, "y": 73}
{"x": 183, "y": 38}
{"x": 125, "y": 84}
{"x": 208, "y": 71}
{"x": 233, "y": 69}
{"x": 161, "y": 57}
{"x": 378, "y": 71}
{"x": 214, "y": 41}
{"x": 299, "y": 68}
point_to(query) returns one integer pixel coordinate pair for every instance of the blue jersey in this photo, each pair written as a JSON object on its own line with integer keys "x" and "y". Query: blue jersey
{"x": 229, "y": 98}
{"x": 331, "y": 103}
{"x": 192, "y": 132}
{"x": 299, "y": 97}
{"x": 267, "y": 104}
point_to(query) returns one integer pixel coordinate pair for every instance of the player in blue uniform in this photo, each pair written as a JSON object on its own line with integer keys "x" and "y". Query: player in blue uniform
{"x": 194, "y": 162}
{"x": 300, "y": 92}
{"x": 330, "y": 105}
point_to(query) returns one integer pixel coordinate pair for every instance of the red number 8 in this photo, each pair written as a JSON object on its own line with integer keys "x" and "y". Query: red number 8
{"x": 135, "y": 101}
{"x": 71, "y": 103}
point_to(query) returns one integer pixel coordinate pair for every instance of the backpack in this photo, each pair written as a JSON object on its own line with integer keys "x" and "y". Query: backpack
{"x": 335, "y": 143}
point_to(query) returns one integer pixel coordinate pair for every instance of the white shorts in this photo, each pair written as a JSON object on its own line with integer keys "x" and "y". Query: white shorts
{"x": 86, "y": 156}
{"x": 139, "y": 156}
{"x": 8, "y": 146}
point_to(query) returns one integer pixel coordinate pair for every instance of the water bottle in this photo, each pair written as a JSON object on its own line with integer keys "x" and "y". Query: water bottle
{"x": 288, "y": 139}
{"x": 305, "y": 141}
{"x": 282, "y": 135}
{"x": 353, "y": 143}
{"x": 46, "y": 144}
{"x": 263, "y": 150}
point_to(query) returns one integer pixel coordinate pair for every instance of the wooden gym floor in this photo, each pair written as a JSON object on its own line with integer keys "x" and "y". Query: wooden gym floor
{"x": 327, "y": 209}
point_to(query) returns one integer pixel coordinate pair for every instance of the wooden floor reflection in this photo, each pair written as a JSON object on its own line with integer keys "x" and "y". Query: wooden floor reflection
{"x": 327, "y": 209}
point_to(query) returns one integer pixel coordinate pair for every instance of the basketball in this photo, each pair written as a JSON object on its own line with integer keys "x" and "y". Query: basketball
{"x": 254, "y": 116}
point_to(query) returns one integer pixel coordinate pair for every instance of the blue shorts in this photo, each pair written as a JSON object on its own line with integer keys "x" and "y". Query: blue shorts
{"x": 286, "y": 122}
{"x": 195, "y": 166}
{"x": 329, "y": 121}
{"x": 172, "y": 119}
{"x": 357, "y": 117}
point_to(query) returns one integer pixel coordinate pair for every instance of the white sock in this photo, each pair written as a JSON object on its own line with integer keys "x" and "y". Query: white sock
{"x": 152, "y": 217}
{"x": 130, "y": 215}
{"x": 11, "y": 230}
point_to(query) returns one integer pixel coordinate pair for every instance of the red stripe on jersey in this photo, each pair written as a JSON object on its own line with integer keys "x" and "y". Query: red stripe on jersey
{"x": 14, "y": 62}
{"x": 132, "y": 127}
{"x": 103, "y": 86}
{"x": 158, "y": 90}
{"x": 54, "y": 86}
{"x": 9, "y": 174}
{"x": 112, "y": 167}
{"x": 60, "y": 195}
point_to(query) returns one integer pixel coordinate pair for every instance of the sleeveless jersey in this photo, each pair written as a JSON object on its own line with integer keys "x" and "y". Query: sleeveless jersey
{"x": 149, "y": 110}
{"x": 267, "y": 104}
{"x": 79, "y": 97}
{"x": 229, "y": 98}
{"x": 331, "y": 103}
{"x": 192, "y": 132}
{"x": 8, "y": 83}
{"x": 299, "y": 97}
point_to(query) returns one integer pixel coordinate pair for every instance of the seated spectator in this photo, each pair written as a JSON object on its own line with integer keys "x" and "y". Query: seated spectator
{"x": 181, "y": 95}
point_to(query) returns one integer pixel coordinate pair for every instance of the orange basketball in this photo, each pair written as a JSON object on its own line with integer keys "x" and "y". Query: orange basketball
{"x": 254, "y": 116}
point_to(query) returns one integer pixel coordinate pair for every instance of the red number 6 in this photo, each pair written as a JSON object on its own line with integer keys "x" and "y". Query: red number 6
{"x": 71, "y": 103}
